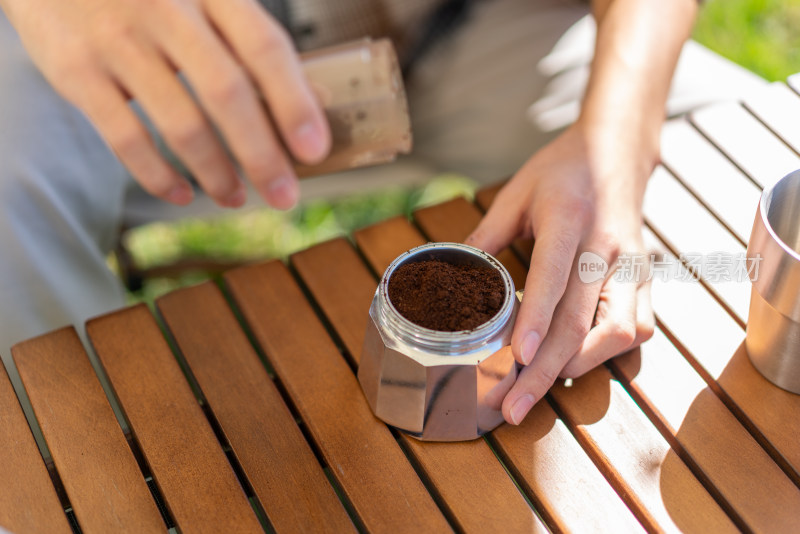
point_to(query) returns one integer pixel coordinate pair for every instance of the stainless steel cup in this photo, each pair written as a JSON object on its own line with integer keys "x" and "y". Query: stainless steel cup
{"x": 773, "y": 327}
{"x": 438, "y": 386}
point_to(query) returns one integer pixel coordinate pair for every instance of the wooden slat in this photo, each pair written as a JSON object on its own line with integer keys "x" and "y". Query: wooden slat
{"x": 794, "y": 82}
{"x": 363, "y": 456}
{"x": 765, "y": 408}
{"x": 441, "y": 218}
{"x": 562, "y": 480}
{"x": 710, "y": 435}
{"x": 778, "y": 107}
{"x": 741, "y": 137}
{"x": 621, "y": 464}
{"x": 280, "y": 466}
{"x": 647, "y": 472}
{"x": 28, "y": 500}
{"x": 384, "y": 249}
{"x": 102, "y": 479}
{"x": 185, "y": 458}
{"x": 545, "y": 458}
{"x": 773, "y": 412}
{"x": 334, "y": 273}
{"x": 336, "y": 277}
{"x": 709, "y": 175}
{"x": 691, "y": 230}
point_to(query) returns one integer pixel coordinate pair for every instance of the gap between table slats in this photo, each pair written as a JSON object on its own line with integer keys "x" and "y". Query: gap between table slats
{"x": 696, "y": 295}
{"x": 363, "y": 456}
{"x": 746, "y": 142}
{"x": 99, "y": 472}
{"x": 765, "y": 409}
{"x": 28, "y": 500}
{"x": 621, "y": 456}
{"x": 565, "y": 478}
{"x": 471, "y": 483}
{"x": 188, "y": 465}
{"x": 778, "y": 108}
{"x": 757, "y": 510}
{"x": 289, "y": 484}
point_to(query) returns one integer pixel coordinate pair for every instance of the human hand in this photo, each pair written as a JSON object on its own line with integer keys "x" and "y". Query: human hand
{"x": 100, "y": 53}
{"x": 575, "y": 195}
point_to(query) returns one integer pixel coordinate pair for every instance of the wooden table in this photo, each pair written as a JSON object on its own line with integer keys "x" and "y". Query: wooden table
{"x": 248, "y": 415}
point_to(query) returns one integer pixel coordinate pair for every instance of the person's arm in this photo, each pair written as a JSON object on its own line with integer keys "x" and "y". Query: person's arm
{"x": 100, "y": 53}
{"x": 583, "y": 193}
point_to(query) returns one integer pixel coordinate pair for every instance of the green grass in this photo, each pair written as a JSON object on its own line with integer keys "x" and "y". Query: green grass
{"x": 264, "y": 233}
{"x": 761, "y": 35}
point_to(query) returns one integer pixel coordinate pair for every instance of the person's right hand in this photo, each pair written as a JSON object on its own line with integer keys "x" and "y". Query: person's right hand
{"x": 100, "y": 53}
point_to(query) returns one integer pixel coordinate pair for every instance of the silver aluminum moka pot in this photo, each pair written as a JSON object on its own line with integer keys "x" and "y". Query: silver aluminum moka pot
{"x": 433, "y": 385}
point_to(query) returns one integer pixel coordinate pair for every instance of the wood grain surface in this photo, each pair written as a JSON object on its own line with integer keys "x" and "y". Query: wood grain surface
{"x": 571, "y": 474}
{"x": 778, "y": 107}
{"x": 104, "y": 484}
{"x": 770, "y": 411}
{"x": 607, "y": 445}
{"x": 722, "y": 188}
{"x": 475, "y": 497}
{"x": 285, "y": 476}
{"x": 711, "y": 436}
{"x": 177, "y": 441}
{"x": 746, "y": 142}
{"x": 672, "y": 212}
{"x": 362, "y": 454}
{"x": 28, "y": 501}
{"x": 649, "y": 475}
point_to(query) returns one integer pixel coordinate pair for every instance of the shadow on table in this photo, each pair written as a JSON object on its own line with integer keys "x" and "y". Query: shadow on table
{"x": 711, "y": 439}
{"x": 635, "y": 458}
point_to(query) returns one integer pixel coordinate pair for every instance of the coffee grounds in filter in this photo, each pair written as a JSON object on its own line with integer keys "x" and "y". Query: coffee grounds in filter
{"x": 446, "y": 297}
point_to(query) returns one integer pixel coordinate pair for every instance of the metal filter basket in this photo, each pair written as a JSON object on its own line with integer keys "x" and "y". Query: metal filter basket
{"x": 434, "y": 385}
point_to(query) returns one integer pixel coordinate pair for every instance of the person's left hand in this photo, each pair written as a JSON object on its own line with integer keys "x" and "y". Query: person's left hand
{"x": 578, "y": 194}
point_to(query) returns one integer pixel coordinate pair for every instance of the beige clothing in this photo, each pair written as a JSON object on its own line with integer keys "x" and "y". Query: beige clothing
{"x": 318, "y": 23}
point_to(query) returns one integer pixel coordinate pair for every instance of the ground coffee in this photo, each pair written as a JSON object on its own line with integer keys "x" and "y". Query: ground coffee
{"x": 446, "y": 297}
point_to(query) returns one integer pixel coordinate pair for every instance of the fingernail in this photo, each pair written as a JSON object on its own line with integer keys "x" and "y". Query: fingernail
{"x": 530, "y": 344}
{"x": 282, "y": 193}
{"x": 311, "y": 141}
{"x": 237, "y": 198}
{"x": 521, "y": 408}
{"x": 180, "y": 194}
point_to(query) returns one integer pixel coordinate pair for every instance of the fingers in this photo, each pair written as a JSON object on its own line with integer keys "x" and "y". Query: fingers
{"x": 109, "y": 111}
{"x": 147, "y": 77}
{"x": 227, "y": 95}
{"x": 545, "y": 284}
{"x": 571, "y": 322}
{"x": 645, "y": 318}
{"x": 615, "y": 330}
{"x": 624, "y": 321}
{"x": 268, "y": 55}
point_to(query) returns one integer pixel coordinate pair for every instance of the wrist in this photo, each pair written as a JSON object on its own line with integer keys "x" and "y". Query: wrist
{"x": 615, "y": 146}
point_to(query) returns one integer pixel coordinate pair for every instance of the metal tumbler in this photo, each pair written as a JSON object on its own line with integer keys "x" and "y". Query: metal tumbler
{"x": 773, "y": 327}
{"x": 434, "y": 385}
